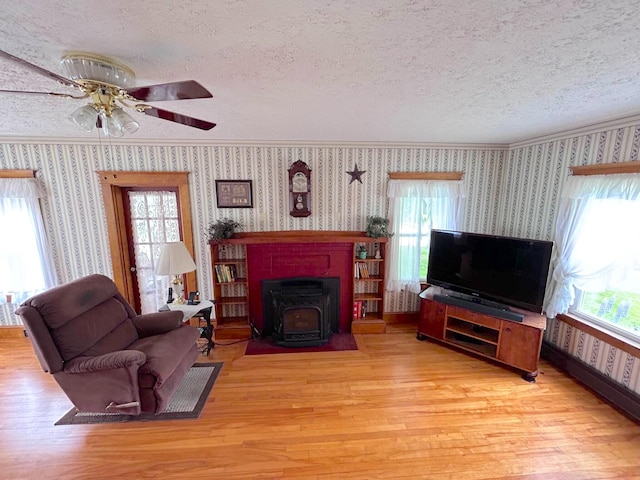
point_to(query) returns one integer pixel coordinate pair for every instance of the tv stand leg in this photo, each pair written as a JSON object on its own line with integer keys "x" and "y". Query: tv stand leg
{"x": 530, "y": 376}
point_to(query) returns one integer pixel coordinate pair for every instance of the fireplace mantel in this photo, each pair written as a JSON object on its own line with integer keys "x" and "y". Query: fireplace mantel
{"x": 300, "y": 253}
{"x": 302, "y": 236}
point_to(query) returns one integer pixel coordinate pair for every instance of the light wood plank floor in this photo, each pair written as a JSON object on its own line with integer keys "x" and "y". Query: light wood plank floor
{"x": 397, "y": 408}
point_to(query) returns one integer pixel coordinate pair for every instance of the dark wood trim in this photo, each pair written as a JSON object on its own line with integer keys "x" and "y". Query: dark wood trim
{"x": 301, "y": 236}
{"x": 402, "y": 317}
{"x": 426, "y": 175}
{"x": 599, "y": 334}
{"x": 622, "y": 398}
{"x": 606, "y": 169}
{"x": 17, "y": 173}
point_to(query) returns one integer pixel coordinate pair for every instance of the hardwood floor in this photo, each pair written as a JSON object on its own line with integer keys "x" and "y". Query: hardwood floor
{"x": 396, "y": 408}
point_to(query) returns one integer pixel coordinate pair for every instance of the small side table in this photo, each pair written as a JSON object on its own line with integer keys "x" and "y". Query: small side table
{"x": 201, "y": 310}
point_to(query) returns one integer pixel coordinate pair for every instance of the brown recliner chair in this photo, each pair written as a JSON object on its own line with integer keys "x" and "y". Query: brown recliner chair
{"x": 105, "y": 357}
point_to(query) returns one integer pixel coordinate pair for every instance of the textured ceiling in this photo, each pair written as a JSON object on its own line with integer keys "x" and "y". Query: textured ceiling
{"x": 481, "y": 71}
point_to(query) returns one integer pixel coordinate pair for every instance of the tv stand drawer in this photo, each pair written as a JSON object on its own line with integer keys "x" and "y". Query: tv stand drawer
{"x": 475, "y": 317}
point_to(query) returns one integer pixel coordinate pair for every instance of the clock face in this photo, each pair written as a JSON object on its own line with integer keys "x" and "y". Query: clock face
{"x": 299, "y": 183}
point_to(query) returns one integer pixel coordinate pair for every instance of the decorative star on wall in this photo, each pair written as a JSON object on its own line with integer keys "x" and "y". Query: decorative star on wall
{"x": 356, "y": 174}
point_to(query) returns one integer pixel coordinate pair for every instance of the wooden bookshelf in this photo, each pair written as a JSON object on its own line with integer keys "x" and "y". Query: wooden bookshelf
{"x": 368, "y": 286}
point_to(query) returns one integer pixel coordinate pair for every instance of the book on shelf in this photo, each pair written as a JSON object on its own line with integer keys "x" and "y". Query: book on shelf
{"x": 225, "y": 273}
{"x": 361, "y": 270}
{"x": 359, "y": 309}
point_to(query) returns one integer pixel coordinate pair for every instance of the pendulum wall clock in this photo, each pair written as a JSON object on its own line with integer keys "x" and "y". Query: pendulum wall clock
{"x": 300, "y": 189}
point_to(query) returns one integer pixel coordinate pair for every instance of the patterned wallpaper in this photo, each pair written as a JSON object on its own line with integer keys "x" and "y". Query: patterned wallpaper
{"x": 533, "y": 178}
{"x": 534, "y": 175}
{"x": 75, "y": 218}
{"x": 510, "y": 191}
{"x": 616, "y": 364}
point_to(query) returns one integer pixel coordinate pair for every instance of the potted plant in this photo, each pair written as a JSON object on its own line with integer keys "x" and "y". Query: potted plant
{"x": 222, "y": 228}
{"x": 377, "y": 227}
{"x": 362, "y": 251}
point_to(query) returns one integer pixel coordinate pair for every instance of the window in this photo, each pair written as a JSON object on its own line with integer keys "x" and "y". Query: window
{"x": 596, "y": 273}
{"x": 613, "y": 300}
{"x": 415, "y": 228}
{"x": 416, "y": 207}
{"x": 25, "y": 262}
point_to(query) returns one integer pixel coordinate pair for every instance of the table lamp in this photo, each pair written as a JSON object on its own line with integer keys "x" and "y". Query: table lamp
{"x": 175, "y": 260}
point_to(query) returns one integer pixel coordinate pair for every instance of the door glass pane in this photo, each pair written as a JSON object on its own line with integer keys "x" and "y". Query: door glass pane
{"x": 170, "y": 205}
{"x": 172, "y": 228}
{"x": 154, "y": 222}
{"x": 141, "y": 230}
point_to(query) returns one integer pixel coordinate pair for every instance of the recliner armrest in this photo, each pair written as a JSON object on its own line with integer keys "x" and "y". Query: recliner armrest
{"x": 156, "y": 323}
{"x": 108, "y": 361}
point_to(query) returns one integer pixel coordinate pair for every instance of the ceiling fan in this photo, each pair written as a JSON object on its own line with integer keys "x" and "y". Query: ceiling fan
{"x": 109, "y": 86}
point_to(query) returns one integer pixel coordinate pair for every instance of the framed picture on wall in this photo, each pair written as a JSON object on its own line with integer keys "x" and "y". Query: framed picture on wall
{"x": 234, "y": 193}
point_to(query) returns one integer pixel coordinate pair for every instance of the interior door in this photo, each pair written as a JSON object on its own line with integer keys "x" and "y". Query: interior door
{"x": 151, "y": 209}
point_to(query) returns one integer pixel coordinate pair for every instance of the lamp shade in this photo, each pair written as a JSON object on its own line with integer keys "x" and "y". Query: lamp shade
{"x": 174, "y": 259}
{"x": 125, "y": 123}
{"x": 85, "y": 117}
{"x": 110, "y": 127}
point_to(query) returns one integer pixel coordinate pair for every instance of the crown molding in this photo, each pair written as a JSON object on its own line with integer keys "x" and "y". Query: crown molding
{"x": 610, "y": 124}
{"x": 246, "y": 143}
{"x": 619, "y": 122}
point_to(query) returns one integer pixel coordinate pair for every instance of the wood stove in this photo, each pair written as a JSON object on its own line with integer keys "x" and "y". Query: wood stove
{"x": 301, "y": 311}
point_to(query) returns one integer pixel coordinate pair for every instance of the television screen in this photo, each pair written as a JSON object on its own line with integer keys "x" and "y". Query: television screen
{"x": 507, "y": 270}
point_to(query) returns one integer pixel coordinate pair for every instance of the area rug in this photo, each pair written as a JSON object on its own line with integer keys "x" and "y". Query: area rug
{"x": 336, "y": 343}
{"x": 187, "y": 401}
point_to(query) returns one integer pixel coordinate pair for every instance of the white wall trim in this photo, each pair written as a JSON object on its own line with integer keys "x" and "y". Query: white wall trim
{"x": 621, "y": 122}
{"x": 603, "y": 125}
{"x": 246, "y": 143}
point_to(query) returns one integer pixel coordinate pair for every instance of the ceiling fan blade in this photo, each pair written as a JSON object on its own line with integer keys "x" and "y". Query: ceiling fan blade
{"x": 176, "y": 117}
{"x": 170, "y": 91}
{"x": 51, "y": 94}
{"x": 40, "y": 70}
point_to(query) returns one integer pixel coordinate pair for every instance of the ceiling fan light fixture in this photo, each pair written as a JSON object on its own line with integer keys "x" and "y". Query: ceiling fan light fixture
{"x": 124, "y": 121}
{"x": 85, "y": 117}
{"x": 109, "y": 126}
{"x": 89, "y": 66}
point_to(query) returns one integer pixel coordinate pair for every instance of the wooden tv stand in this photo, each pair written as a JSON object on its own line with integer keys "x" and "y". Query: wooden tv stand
{"x": 516, "y": 344}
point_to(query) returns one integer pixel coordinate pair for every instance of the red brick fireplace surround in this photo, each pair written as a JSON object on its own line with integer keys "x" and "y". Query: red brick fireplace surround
{"x": 305, "y": 253}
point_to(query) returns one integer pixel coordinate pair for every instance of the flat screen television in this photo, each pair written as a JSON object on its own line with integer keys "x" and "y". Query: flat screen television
{"x": 505, "y": 270}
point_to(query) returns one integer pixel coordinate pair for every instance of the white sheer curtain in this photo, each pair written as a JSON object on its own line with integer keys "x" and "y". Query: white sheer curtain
{"x": 417, "y": 206}
{"x": 597, "y": 237}
{"x": 25, "y": 261}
